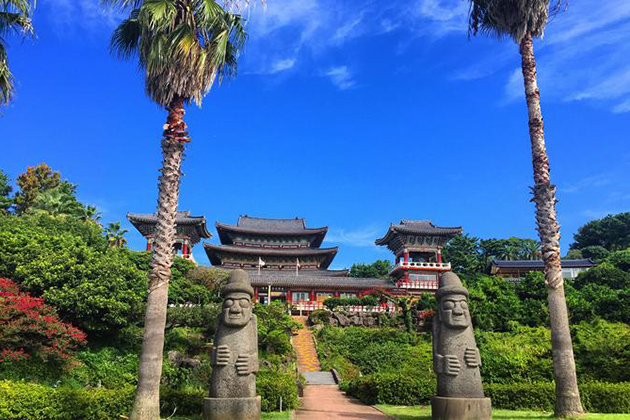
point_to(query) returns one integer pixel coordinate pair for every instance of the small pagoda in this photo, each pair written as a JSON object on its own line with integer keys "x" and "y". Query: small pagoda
{"x": 270, "y": 244}
{"x": 190, "y": 230}
{"x": 417, "y": 248}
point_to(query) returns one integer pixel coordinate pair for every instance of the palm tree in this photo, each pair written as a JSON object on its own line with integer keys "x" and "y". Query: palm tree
{"x": 183, "y": 46}
{"x": 522, "y": 21}
{"x": 15, "y": 15}
{"x": 56, "y": 202}
{"x": 90, "y": 214}
{"x": 115, "y": 235}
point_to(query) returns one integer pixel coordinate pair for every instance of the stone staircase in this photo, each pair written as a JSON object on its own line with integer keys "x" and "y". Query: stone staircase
{"x": 308, "y": 362}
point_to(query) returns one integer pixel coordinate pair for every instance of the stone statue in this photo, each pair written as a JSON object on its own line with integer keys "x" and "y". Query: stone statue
{"x": 235, "y": 355}
{"x": 456, "y": 358}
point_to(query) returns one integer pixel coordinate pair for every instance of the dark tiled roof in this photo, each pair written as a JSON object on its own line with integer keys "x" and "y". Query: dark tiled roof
{"x": 307, "y": 279}
{"x": 144, "y": 222}
{"x": 533, "y": 264}
{"x": 419, "y": 227}
{"x": 260, "y": 223}
{"x": 295, "y": 252}
{"x": 271, "y": 227}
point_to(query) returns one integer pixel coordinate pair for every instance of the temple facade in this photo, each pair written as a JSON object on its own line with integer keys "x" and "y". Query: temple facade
{"x": 190, "y": 230}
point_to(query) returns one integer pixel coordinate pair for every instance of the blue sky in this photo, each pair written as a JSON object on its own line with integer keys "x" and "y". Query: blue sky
{"x": 352, "y": 114}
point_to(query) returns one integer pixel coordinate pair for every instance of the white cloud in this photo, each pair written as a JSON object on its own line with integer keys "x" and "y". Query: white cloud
{"x": 622, "y": 107}
{"x": 341, "y": 77}
{"x": 91, "y": 15}
{"x": 282, "y": 65}
{"x": 593, "y": 181}
{"x": 362, "y": 237}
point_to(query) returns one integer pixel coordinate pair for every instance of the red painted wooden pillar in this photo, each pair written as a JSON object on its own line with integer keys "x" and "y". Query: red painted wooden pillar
{"x": 184, "y": 249}
{"x": 289, "y": 297}
{"x": 256, "y": 294}
{"x": 406, "y": 258}
{"x": 312, "y": 295}
{"x": 439, "y": 256}
{"x": 148, "y": 245}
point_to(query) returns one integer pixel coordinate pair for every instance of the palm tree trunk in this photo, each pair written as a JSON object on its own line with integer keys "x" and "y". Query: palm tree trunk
{"x": 568, "y": 402}
{"x": 146, "y": 405}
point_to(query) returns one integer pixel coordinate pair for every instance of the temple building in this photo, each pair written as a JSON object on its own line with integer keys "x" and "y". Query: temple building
{"x": 515, "y": 270}
{"x": 417, "y": 248}
{"x": 286, "y": 262}
{"x": 190, "y": 230}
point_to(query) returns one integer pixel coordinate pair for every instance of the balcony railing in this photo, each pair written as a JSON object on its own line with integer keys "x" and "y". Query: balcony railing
{"x": 421, "y": 266}
{"x": 307, "y": 306}
{"x": 418, "y": 284}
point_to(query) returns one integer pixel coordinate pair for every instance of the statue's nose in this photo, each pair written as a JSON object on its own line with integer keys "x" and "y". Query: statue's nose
{"x": 235, "y": 309}
{"x": 457, "y": 310}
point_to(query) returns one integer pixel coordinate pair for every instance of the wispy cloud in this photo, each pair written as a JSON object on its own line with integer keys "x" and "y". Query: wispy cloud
{"x": 593, "y": 181}
{"x": 87, "y": 15}
{"x": 341, "y": 77}
{"x": 622, "y": 107}
{"x": 362, "y": 237}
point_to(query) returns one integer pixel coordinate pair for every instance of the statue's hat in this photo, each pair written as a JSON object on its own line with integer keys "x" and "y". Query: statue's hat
{"x": 238, "y": 282}
{"x": 450, "y": 284}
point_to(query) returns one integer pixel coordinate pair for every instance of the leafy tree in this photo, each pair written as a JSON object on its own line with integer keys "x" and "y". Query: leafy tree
{"x": 612, "y": 232}
{"x": 35, "y": 181}
{"x": 115, "y": 235}
{"x": 596, "y": 253}
{"x": 5, "y": 191}
{"x": 378, "y": 269}
{"x": 182, "y": 47}
{"x": 68, "y": 264}
{"x": 15, "y": 15}
{"x": 494, "y": 305}
{"x": 464, "y": 254}
{"x": 574, "y": 254}
{"x": 90, "y": 214}
{"x": 522, "y": 21}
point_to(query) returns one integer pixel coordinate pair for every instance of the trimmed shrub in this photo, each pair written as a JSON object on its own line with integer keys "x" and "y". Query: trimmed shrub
{"x": 597, "y": 397}
{"x": 271, "y": 385}
{"x": 392, "y": 388}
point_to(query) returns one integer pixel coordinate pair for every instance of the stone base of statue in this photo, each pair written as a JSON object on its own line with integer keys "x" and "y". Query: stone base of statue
{"x": 231, "y": 408}
{"x": 446, "y": 408}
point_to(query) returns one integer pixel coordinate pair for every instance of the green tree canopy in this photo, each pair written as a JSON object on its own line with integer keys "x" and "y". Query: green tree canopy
{"x": 612, "y": 232}
{"x": 378, "y": 269}
{"x": 5, "y": 193}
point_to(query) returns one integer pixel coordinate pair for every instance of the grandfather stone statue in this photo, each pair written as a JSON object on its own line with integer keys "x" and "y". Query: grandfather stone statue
{"x": 456, "y": 357}
{"x": 235, "y": 355}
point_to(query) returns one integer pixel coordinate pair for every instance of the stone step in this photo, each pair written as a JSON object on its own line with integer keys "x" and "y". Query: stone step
{"x": 319, "y": 378}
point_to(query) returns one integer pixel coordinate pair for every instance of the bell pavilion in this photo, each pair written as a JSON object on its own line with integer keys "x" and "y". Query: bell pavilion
{"x": 190, "y": 230}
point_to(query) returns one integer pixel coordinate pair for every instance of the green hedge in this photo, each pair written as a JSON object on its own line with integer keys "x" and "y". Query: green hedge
{"x": 405, "y": 389}
{"x": 271, "y": 385}
{"x": 597, "y": 397}
{"x": 392, "y": 388}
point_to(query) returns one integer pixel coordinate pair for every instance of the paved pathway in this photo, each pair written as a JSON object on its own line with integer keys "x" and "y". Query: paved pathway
{"x": 322, "y": 402}
{"x": 305, "y": 348}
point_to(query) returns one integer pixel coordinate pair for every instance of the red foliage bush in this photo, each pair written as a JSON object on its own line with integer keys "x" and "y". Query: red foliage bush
{"x": 31, "y": 328}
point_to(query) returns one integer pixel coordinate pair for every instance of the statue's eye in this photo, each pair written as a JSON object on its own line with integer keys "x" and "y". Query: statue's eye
{"x": 244, "y": 303}
{"x": 449, "y": 304}
{"x": 463, "y": 305}
{"x": 228, "y": 303}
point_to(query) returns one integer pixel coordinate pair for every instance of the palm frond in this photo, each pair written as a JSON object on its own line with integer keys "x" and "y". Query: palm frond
{"x": 183, "y": 46}
{"x": 512, "y": 18}
{"x": 6, "y": 78}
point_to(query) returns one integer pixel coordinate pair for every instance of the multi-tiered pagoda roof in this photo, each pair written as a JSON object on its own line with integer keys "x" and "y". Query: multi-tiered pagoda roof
{"x": 191, "y": 228}
{"x": 416, "y": 234}
{"x": 278, "y": 243}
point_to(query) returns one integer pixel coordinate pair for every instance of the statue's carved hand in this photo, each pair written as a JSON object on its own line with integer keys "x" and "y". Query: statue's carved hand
{"x": 452, "y": 365}
{"x": 243, "y": 365}
{"x": 471, "y": 356}
{"x": 222, "y": 355}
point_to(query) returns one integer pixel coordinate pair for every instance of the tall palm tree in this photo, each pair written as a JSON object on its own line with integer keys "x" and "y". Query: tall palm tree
{"x": 524, "y": 20}
{"x": 183, "y": 46}
{"x": 115, "y": 235}
{"x": 15, "y": 15}
{"x": 90, "y": 214}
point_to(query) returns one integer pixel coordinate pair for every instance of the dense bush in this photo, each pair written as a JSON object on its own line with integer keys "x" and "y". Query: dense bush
{"x": 272, "y": 385}
{"x": 275, "y": 328}
{"x": 598, "y": 397}
{"x": 602, "y": 351}
{"x": 94, "y": 288}
{"x": 392, "y": 388}
{"x": 29, "y": 328}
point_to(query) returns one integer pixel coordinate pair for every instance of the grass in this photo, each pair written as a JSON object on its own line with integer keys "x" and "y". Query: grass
{"x": 401, "y": 412}
{"x": 285, "y": 415}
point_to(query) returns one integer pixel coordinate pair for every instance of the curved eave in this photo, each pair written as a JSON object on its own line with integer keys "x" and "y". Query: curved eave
{"x": 398, "y": 229}
{"x": 142, "y": 219}
{"x": 223, "y": 229}
{"x": 212, "y": 250}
